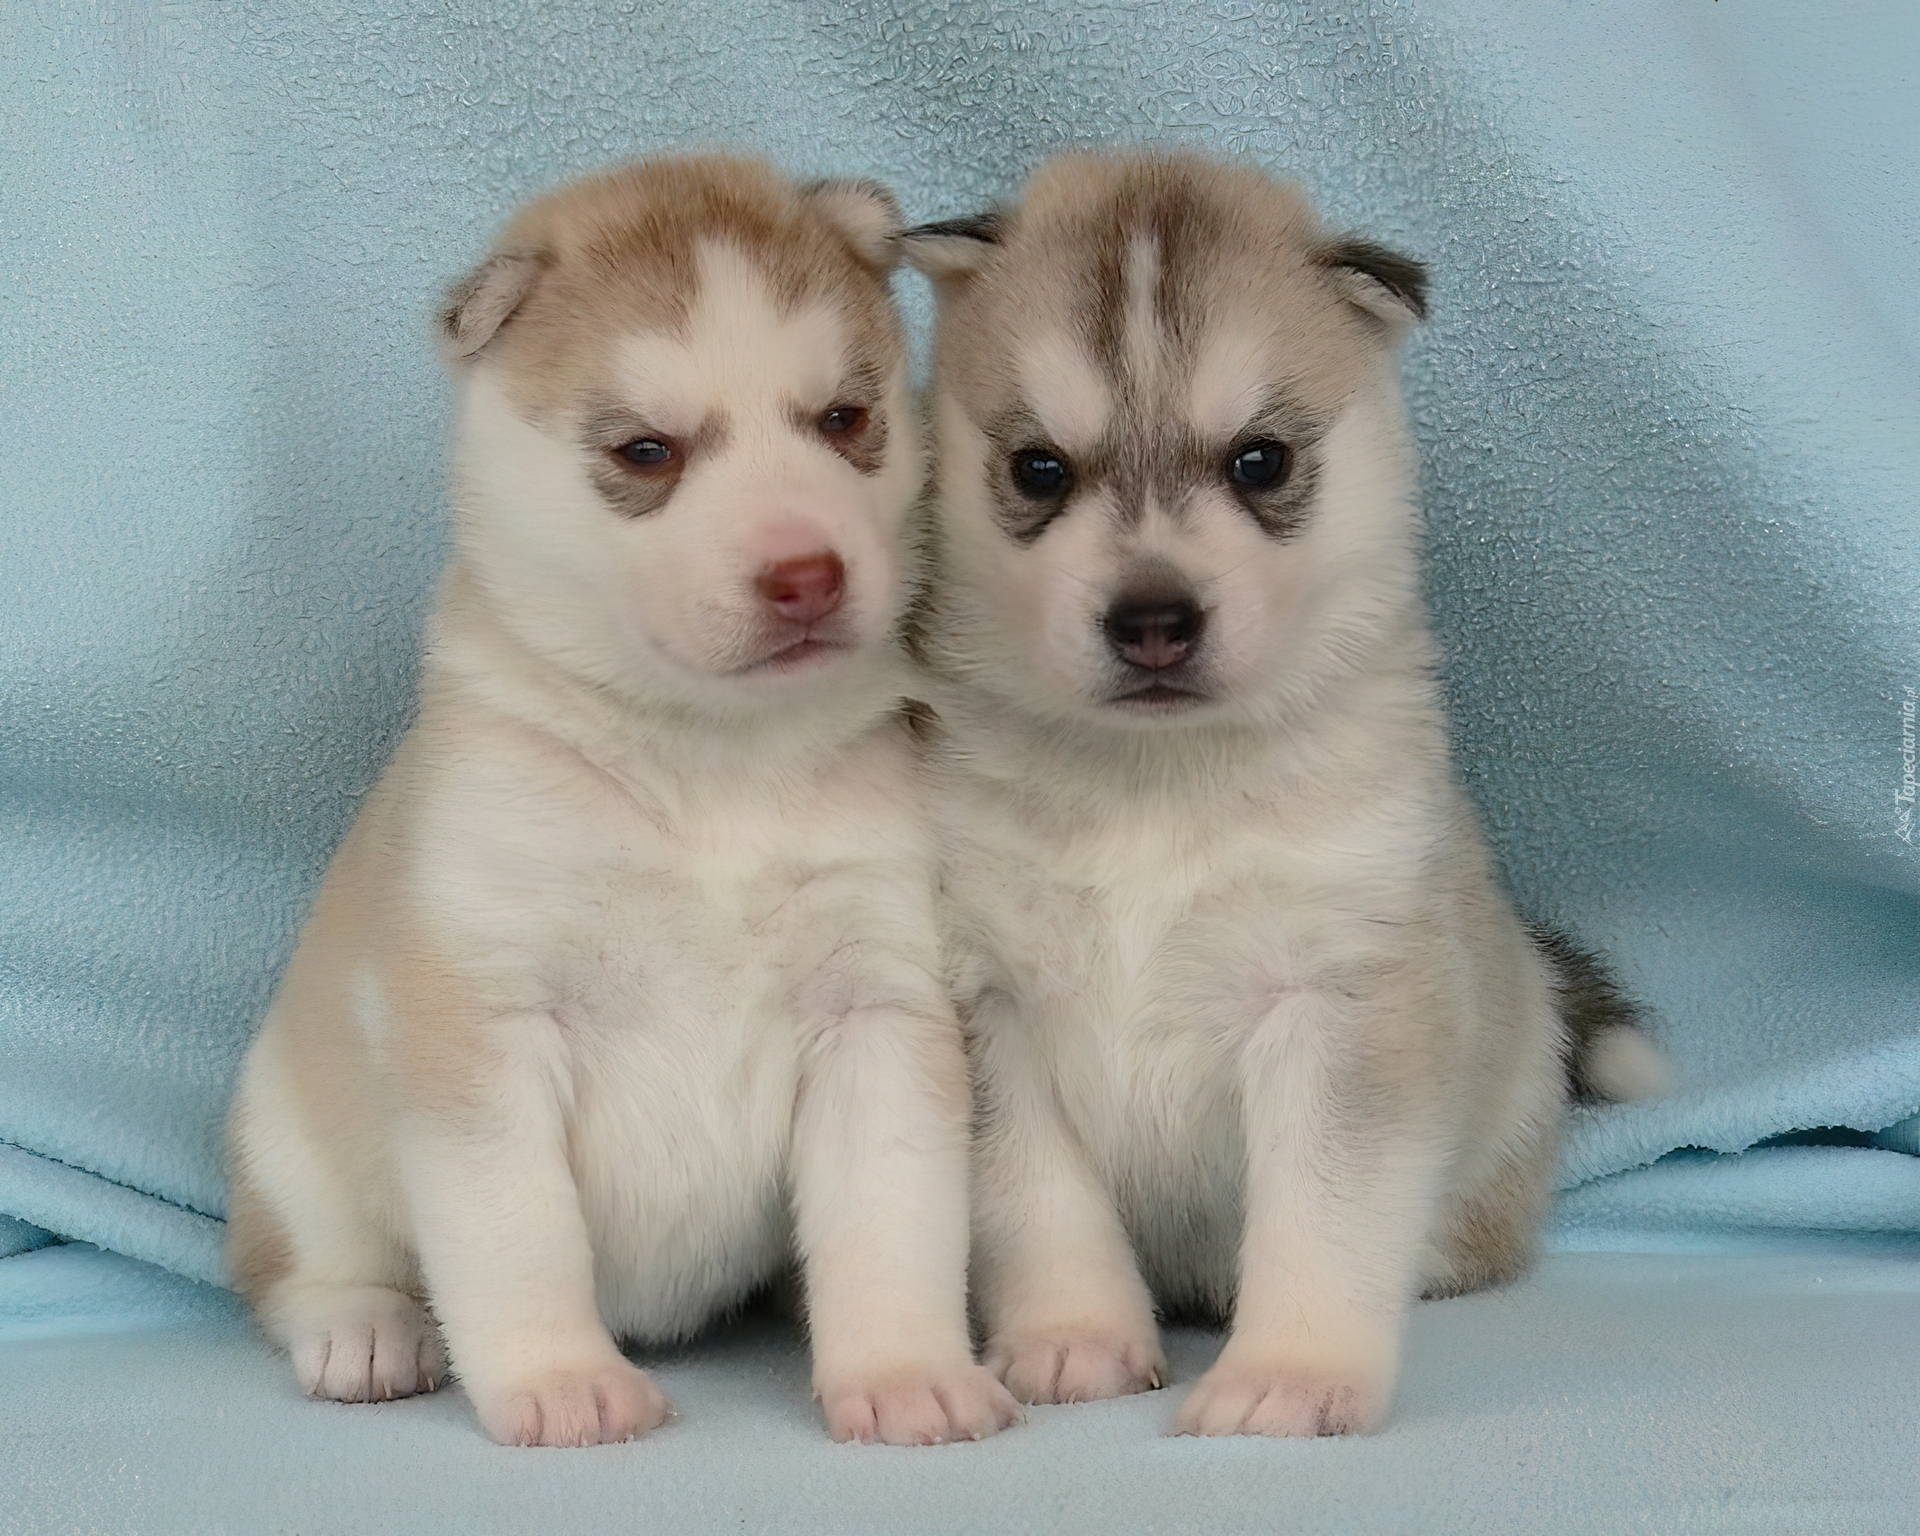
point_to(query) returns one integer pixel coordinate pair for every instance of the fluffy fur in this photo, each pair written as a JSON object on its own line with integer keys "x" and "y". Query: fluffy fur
{"x": 626, "y": 982}
{"x": 1256, "y": 1034}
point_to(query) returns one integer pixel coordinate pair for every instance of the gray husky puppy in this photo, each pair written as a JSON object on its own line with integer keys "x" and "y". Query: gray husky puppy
{"x": 1256, "y": 1032}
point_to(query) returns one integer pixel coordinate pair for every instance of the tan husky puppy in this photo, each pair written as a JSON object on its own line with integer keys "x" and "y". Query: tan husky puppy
{"x": 1257, "y": 1034}
{"x": 625, "y": 982}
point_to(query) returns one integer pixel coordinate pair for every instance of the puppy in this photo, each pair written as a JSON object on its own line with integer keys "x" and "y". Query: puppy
{"x": 626, "y": 983}
{"x": 1256, "y": 1033}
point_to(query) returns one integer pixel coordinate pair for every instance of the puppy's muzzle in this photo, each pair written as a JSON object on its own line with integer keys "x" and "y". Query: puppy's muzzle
{"x": 1154, "y": 631}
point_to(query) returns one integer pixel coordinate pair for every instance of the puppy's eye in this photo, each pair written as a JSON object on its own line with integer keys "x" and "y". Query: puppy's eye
{"x": 1260, "y": 466}
{"x": 844, "y": 420}
{"x": 1040, "y": 474}
{"x": 645, "y": 453}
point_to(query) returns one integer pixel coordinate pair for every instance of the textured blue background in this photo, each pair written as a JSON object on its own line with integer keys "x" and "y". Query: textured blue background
{"x": 1669, "y": 412}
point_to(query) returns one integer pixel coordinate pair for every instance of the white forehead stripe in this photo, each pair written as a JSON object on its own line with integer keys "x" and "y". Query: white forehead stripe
{"x": 739, "y": 348}
{"x": 1142, "y": 329}
{"x": 1066, "y": 390}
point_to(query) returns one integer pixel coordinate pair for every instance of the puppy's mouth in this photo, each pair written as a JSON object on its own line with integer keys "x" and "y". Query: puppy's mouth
{"x": 1159, "y": 691}
{"x": 1161, "y": 696}
{"x": 797, "y": 655}
{"x": 792, "y": 648}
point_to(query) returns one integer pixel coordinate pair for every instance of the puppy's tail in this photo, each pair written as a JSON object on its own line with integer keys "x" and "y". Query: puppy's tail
{"x": 1609, "y": 1053}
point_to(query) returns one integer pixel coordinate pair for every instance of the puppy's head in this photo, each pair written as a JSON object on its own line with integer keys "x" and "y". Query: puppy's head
{"x": 1174, "y": 477}
{"x": 686, "y": 445}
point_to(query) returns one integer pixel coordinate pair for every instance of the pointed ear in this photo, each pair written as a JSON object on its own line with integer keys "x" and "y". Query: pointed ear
{"x": 862, "y": 213}
{"x": 1390, "y": 287}
{"x": 479, "y": 304}
{"x": 954, "y": 249}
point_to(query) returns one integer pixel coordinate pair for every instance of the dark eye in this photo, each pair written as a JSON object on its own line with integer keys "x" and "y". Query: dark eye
{"x": 844, "y": 420}
{"x": 645, "y": 452}
{"x": 1040, "y": 473}
{"x": 1261, "y": 466}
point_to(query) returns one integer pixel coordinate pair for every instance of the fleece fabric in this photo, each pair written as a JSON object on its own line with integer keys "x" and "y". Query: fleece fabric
{"x": 1668, "y": 408}
{"x": 1760, "y": 1388}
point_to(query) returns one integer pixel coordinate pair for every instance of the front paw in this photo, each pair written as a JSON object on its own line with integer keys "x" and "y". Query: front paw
{"x": 362, "y": 1344}
{"x": 1075, "y": 1368}
{"x": 1253, "y": 1397}
{"x": 603, "y": 1403}
{"x": 923, "y": 1405}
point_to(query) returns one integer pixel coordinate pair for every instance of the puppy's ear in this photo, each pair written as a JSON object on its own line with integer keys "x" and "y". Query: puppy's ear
{"x": 1390, "y": 287}
{"x": 862, "y": 213}
{"x": 954, "y": 249}
{"x": 479, "y": 304}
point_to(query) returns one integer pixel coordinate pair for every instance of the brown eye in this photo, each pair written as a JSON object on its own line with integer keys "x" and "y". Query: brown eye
{"x": 844, "y": 420}
{"x": 645, "y": 453}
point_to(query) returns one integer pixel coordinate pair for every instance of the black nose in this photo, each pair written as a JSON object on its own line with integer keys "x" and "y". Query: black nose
{"x": 1154, "y": 631}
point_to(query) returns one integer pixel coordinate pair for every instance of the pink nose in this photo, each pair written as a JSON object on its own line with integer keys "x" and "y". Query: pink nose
{"x": 805, "y": 590}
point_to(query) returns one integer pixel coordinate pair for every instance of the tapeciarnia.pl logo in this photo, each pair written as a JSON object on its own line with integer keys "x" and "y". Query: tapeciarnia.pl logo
{"x": 1903, "y": 796}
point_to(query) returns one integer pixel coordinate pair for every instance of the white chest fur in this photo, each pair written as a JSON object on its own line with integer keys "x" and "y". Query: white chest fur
{"x": 683, "y": 1050}
{"x": 1125, "y": 956}
{"x": 1120, "y": 961}
{"x": 688, "y": 941}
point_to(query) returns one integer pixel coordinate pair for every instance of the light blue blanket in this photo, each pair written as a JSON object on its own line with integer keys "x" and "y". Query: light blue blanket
{"x": 1765, "y": 1390}
{"x": 1669, "y": 409}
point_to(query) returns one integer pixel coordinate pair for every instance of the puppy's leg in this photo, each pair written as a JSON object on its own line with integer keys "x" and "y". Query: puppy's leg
{"x": 1068, "y": 1317}
{"x": 343, "y": 1308}
{"x": 1488, "y": 1233}
{"x": 1342, "y": 1166}
{"x": 880, "y": 1206}
{"x": 311, "y": 1244}
{"x": 481, "y": 1147}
